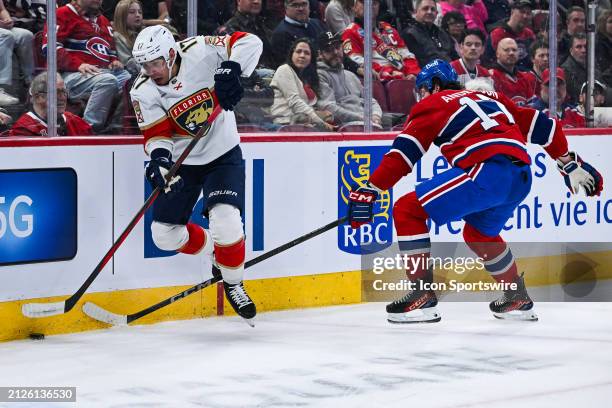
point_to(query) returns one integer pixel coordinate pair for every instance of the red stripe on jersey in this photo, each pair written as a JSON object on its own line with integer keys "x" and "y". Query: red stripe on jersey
{"x": 235, "y": 37}
{"x": 163, "y": 128}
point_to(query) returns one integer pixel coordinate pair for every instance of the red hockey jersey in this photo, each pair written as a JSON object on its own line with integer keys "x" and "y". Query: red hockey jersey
{"x": 469, "y": 127}
{"x": 390, "y": 52}
{"x": 519, "y": 86}
{"x": 30, "y": 124}
{"x": 82, "y": 40}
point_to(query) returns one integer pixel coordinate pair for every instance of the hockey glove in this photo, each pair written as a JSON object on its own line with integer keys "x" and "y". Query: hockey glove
{"x": 227, "y": 84}
{"x": 157, "y": 168}
{"x": 578, "y": 173}
{"x": 361, "y": 201}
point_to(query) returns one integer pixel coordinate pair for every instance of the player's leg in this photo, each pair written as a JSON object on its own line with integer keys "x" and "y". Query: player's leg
{"x": 419, "y": 305}
{"x": 481, "y": 233}
{"x": 223, "y": 190}
{"x": 171, "y": 229}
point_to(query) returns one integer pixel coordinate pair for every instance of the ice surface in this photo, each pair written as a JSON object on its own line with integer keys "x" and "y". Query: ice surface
{"x": 345, "y": 356}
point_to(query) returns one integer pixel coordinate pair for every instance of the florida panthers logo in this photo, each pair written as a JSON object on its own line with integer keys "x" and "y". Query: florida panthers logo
{"x": 100, "y": 48}
{"x": 191, "y": 113}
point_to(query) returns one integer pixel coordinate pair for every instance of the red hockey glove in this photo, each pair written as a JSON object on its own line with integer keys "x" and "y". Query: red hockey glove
{"x": 361, "y": 205}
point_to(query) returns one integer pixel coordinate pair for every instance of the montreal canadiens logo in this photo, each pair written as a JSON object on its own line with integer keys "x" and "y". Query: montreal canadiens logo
{"x": 99, "y": 47}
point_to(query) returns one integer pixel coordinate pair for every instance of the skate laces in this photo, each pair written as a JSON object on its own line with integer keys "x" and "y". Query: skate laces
{"x": 239, "y": 296}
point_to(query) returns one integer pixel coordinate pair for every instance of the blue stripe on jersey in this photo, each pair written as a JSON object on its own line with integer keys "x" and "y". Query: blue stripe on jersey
{"x": 542, "y": 130}
{"x": 493, "y": 142}
{"x": 409, "y": 148}
{"x": 457, "y": 124}
{"x": 501, "y": 264}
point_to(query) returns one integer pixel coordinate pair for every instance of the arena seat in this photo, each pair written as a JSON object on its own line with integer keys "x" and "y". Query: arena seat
{"x": 401, "y": 95}
{"x": 380, "y": 94}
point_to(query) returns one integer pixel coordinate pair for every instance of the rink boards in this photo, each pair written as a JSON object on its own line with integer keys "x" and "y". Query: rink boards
{"x": 64, "y": 201}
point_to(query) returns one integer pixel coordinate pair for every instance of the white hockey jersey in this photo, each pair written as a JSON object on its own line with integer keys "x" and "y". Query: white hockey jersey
{"x": 170, "y": 115}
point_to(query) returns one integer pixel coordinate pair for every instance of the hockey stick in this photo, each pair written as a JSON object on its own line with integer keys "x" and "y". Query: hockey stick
{"x": 96, "y": 312}
{"x": 36, "y": 310}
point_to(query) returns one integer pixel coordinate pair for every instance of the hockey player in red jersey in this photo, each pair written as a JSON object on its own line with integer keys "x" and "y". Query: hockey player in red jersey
{"x": 173, "y": 98}
{"x": 483, "y": 136}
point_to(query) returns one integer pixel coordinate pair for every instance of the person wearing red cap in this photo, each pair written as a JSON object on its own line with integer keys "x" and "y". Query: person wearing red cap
{"x": 568, "y": 114}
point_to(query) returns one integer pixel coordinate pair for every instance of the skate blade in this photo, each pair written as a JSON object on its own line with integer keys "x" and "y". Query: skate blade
{"x": 429, "y": 315}
{"x": 250, "y": 322}
{"x": 518, "y": 315}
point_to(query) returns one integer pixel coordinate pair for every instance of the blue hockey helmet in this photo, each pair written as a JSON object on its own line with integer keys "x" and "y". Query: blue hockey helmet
{"x": 438, "y": 68}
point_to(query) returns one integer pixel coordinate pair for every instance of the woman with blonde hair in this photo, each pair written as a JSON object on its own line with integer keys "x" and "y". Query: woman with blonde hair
{"x": 127, "y": 23}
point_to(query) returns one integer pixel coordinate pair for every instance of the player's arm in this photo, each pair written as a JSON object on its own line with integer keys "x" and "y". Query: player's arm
{"x": 240, "y": 57}
{"x": 407, "y": 149}
{"x": 538, "y": 128}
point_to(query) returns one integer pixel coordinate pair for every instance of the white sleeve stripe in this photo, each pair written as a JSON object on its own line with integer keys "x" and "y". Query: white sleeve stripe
{"x": 551, "y": 135}
{"x": 408, "y": 162}
{"x": 533, "y": 122}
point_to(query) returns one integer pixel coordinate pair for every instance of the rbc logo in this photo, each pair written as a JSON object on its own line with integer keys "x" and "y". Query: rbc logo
{"x": 354, "y": 167}
{"x": 99, "y": 47}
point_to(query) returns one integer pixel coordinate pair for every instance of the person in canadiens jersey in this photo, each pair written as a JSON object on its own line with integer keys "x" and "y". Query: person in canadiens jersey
{"x": 173, "y": 97}
{"x": 483, "y": 137}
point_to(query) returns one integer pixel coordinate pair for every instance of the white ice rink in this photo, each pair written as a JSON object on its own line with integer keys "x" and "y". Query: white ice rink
{"x": 346, "y": 356}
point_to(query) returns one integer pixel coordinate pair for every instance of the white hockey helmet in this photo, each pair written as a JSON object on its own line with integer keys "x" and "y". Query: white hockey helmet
{"x": 154, "y": 42}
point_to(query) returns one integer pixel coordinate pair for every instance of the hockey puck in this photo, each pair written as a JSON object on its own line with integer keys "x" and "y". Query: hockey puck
{"x": 37, "y": 336}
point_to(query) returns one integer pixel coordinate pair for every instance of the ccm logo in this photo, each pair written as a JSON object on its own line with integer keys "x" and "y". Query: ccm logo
{"x": 221, "y": 71}
{"x": 361, "y": 197}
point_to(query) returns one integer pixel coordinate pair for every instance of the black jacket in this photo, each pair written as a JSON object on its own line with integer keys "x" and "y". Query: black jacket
{"x": 428, "y": 43}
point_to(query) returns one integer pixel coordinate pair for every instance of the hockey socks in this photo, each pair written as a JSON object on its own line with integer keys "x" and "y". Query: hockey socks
{"x": 497, "y": 257}
{"x": 198, "y": 240}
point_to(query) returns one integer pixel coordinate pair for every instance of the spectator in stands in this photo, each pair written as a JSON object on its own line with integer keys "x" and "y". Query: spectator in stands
{"x": 516, "y": 28}
{"x": 13, "y": 40}
{"x": 453, "y": 23}
{"x": 515, "y": 84}
{"x": 427, "y": 40}
{"x": 599, "y": 96}
{"x": 155, "y": 12}
{"x": 498, "y": 11}
{"x": 296, "y": 88}
{"x": 34, "y": 122}
{"x": 211, "y": 15}
{"x": 391, "y": 59}
{"x": 248, "y": 19}
{"x": 297, "y": 24}
{"x": 28, "y": 14}
{"x": 575, "y": 23}
{"x": 87, "y": 59}
{"x": 341, "y": 92}
{"x": 566, "y": 112}
{"x": 468, "y": 67}
{"x": 127, "y": 23}
{"x": 539, "y": 59}
{"x": 603, "y": 45}
{"x": 575, "y": 66}
{"x": 339, "y": 14}
{"x": 274, "y": 12}
{"x": 475, "y": 14}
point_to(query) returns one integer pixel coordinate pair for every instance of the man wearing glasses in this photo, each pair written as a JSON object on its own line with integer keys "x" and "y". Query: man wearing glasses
{"x": 297, "y": 24}
{"x": 34, "y": 122}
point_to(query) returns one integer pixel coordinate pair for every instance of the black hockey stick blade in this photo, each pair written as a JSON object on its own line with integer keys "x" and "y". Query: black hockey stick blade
{"x": 98, "y": 313}
{"x": 37, "y": 310}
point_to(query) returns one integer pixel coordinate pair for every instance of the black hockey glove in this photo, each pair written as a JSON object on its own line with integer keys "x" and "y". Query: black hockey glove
{"x": 157, "y": 168}
{"x": 227, "y": 84}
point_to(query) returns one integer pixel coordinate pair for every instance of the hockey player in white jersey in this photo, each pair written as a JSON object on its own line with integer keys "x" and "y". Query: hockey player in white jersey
{"x": 180, "y": 85}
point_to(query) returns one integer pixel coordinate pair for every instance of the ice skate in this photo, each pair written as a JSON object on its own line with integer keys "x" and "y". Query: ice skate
{"x": 242, "y": 304}
{"x": 514, "y": 304}
{"x": 417, "y": 306}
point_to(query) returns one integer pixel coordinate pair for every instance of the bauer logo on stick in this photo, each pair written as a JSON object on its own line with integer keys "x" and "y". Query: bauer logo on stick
{"x": 354, "y": 167}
